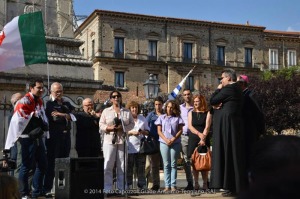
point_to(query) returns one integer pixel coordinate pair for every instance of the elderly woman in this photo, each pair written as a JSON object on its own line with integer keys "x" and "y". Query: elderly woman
{"x": 169, "y": 128}
{"x": 112, "y": 122}
{"x": 135, "y": 159}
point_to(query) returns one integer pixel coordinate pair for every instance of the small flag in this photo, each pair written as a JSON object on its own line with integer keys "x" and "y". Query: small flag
{"x": 23, "y": 42}
{"x": 175, "y": 92}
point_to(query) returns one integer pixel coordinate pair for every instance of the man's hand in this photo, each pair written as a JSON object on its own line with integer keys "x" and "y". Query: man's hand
{"x": 217, "y": 106}
{"x": 4, "y": 164}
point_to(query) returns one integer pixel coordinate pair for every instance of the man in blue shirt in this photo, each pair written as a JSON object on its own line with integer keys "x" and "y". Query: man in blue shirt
{"x": 155, "y": 158}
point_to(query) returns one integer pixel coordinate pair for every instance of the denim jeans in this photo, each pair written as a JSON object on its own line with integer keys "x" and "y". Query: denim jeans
{"x": 32, "y": 156}
{"x": 170, "y": 156}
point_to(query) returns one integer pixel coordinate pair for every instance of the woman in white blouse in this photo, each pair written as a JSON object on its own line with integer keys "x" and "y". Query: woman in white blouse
{"x": 135, "y": 159}
{"x": 113, "y": 144}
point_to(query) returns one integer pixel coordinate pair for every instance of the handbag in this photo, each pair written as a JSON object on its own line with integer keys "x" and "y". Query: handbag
{"x": 201, "y": 161}
{"x": 149, "y": 145}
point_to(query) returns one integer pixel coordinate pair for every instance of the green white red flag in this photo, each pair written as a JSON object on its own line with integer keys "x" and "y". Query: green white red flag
{"x": 23, "y": 42}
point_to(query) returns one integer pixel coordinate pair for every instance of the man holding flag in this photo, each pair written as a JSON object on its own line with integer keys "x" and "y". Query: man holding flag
{"x": 27, "y": 128}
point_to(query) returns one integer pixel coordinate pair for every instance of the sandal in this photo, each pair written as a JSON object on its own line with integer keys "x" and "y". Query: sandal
{"x": 167, "y": 189}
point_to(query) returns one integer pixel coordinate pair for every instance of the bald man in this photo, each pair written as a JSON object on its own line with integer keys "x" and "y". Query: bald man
{"x": 59, "y": 112}
{"x": 88, "y": 143}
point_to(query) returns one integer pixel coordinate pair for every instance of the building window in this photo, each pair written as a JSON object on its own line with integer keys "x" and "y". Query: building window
{"x": 152, "y": 50}
{"x": 119, "y": 79}
{"x": 187, "y": 52}
{"x": 119, "y": 47}
{"x": 248, "y": 57}
{"x": 273, "y": 59}
{"x": 189, "y": 84}
{"x": 221, "y": 55}
{"x": 292, "y": 58}
{"x": 93, "y": 48}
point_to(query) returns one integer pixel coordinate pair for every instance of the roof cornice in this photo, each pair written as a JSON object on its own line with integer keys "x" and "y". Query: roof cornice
{"x": 124, "y": 15}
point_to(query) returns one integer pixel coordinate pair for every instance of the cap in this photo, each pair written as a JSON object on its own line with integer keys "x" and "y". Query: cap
{"x": 243, "y": 78}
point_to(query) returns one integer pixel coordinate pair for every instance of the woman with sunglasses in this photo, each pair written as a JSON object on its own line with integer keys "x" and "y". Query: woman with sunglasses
{"x": 112, "y": 121}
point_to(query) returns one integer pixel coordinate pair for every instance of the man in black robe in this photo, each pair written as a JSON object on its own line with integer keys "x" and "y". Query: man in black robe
{"x": 228, "y": 159}
{"x": 254, "y": 122}
{"x": 87, "y": 136}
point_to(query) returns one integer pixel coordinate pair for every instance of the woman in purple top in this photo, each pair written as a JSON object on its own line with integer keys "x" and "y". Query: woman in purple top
{"x": 169, "y": 128}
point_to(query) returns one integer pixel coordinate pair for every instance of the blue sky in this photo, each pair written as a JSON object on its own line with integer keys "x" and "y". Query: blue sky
{"x": 283, "y": 15}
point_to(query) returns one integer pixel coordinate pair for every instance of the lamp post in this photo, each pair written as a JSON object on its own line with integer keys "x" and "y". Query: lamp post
{"x": 151, "y": 87}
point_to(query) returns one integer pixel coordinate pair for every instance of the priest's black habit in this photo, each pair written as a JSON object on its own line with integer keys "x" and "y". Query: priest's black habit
{"x": 228, "y": 159}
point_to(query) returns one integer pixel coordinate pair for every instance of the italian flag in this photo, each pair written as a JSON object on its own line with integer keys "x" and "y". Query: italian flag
{"x": 23, "y": 42}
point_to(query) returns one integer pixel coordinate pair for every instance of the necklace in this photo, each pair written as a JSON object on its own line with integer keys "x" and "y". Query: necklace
{"x": 198, "y": 115}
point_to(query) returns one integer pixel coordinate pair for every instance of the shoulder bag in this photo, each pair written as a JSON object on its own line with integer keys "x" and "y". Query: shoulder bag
{"x": 149, "y": 145}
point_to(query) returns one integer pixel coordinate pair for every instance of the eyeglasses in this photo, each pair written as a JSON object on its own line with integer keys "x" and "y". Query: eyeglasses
{"x": 114, "y": 96}
{"x": 59, "y": 91}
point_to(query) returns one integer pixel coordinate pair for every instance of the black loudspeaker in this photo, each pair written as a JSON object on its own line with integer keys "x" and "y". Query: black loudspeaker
{"x": 81, "y": 178}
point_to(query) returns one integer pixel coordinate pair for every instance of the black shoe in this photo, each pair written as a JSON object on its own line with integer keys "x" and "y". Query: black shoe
{"x": 229, "y": 194}
{"x": 155, "y": 188}
{"x": 189, "y": 187}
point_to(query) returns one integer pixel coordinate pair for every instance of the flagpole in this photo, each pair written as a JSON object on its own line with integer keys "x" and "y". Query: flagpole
{"x": 175, "y": 92}
{"x": 48, "y": 77}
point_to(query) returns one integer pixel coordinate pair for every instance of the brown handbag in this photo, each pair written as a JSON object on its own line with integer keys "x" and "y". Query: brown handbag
{"x": 201, "y": 161}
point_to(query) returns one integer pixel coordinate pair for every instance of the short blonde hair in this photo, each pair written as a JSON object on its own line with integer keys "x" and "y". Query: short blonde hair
{"x": 134, "y": 104}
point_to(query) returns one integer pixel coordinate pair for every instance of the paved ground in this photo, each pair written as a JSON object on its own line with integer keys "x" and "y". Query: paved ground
{"x": 181, "y": 183}
{"x": 180, "y": 194}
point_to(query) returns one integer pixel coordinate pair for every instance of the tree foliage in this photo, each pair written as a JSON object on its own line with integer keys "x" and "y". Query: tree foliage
{"x": 279, "y": 94}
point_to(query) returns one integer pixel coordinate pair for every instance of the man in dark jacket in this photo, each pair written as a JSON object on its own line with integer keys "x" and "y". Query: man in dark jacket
{"x": 88, "y": 143}
{"x": 59, "y": 113}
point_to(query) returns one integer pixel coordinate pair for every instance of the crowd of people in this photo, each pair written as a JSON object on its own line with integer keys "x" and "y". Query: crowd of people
{"x": 231, "y": 123}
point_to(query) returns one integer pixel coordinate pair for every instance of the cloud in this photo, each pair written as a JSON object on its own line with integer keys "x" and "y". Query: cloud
{"x": 294, "y": 28}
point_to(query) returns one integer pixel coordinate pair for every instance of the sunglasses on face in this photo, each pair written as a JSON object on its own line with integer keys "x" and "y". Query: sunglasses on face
{"x": 114, "y": 96}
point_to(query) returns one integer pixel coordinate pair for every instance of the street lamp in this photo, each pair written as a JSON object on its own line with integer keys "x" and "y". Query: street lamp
{"x": 151, "y": 87}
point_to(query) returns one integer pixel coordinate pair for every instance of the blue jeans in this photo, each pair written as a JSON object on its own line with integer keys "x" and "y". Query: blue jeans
{"x": 32, "y": 156}
{"x": 170, "y": 155}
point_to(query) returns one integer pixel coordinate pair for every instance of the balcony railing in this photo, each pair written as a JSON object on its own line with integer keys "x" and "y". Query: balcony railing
{"x": 152, "y": 58}
{"x": 119, "y": 55}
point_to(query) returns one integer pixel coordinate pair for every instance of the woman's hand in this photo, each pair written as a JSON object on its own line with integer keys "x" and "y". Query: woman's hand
{"x": 201, "y": 143}
{"x": 201, "y": 136}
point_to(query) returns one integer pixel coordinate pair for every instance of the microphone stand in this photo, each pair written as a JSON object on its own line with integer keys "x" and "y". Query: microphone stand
{"x": 125, "y": 140}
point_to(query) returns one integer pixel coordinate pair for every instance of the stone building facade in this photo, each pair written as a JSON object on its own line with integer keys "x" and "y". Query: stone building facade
{"x": 125, "y": 48}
